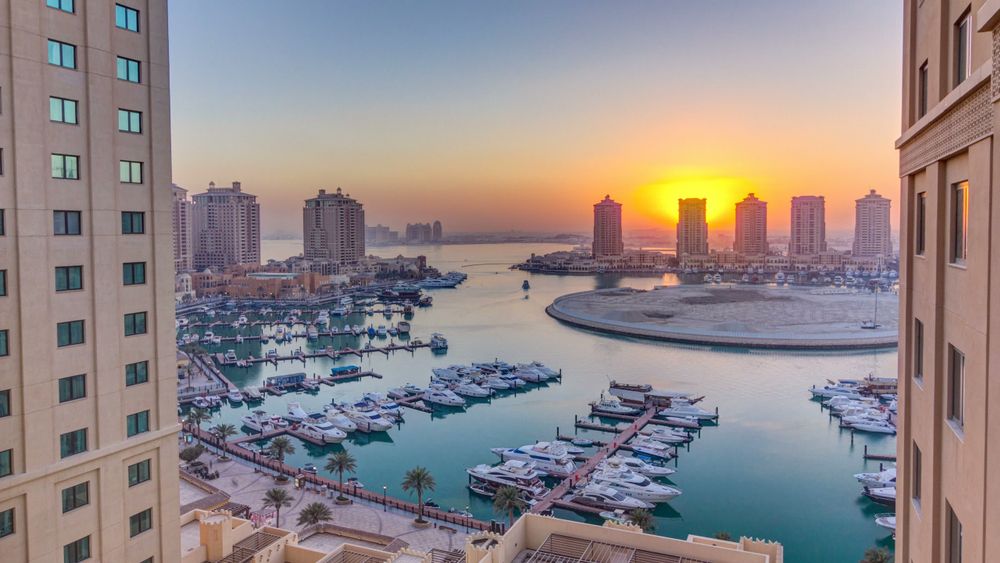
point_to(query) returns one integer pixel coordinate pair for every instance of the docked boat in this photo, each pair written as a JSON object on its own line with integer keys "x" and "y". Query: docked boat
{"x": 443, "y": 397}
{"x": 883, "y": 495}
{"x": 886, "y": 520}
{"x": 610, "y": 405}
{"x": 666, "y": 435}
{"x": 296, "y": 413}
{"x": 530, "y": 375}
{"x": 253, "y": 394}
{"x": 312, "y": 333}
{"x": 258, "y": 421}
{"x": 403, "y": 327}
{"x": 336, "y": 417}
{"x": 309, "y": 385}
{"x": 618, "y": 516}
{"x": 682, "y": 407}
{"x": 438, "y": 342}
{"x": 450, "y": 373}
{"x": 636, "y": 465}
{"x": 367, "y": 421}
{"x": 651, "y": 448}
{"x": 640, "y": 393}
{"x": 496, "y": 382}
{"x": 635, "y": 485}
{"x": 323, "y": 431}
{"x": 514, "y": 473}
{"x": 234, "y": 396}
{"x": 550, "y": 458}
{"x": 874, "y": 426}
{"x": 877, "y": 479}
{"x": 468, "y": 389}
{"x": 200, "y": 403}
{"x": 231, "y": 356}
{"x": 606, "y": 498}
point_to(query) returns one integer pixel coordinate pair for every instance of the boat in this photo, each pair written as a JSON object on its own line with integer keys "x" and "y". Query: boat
{"x": 606, "y": 497}
{"x": 882, "y": 495}
{"x": 666, "y": 435}
{"x": 512, "y": 380}
{"x": 582, "y": 442}
{"x": 637, "y": 465}
{"x": 381, "y": 331}
{"x": 443, "y": 397}
{"x": 200, "y": 403}
{"x": 886, "y": 520}
{"x": 468, "y": 389}
{"x": 367, "y": 421}
{"x": 496, "y": 382}
{"x": 640, "y": 393}
{"x": 312, "y": 333}
{"x": 336, "y": 417}
{"x": 874, "y": 426}
{"x": 682, "y": 407}
{"x": 570, "y": 448}
{"x": 618, "y": 516}
{"x": 231, "y": 356}
{"x": 234, "y": 396}
{"x": 253, "y": 394}
{"x": 550, "y": 458}
{"x": 525, "y": 285}
{"x": 296, "y": 413}
{"x": 717, "y": 278}
{"x": 438, "y": 342}
{"x": 651, "y": 448}
{"x": 323, "y": 431}
{"x": 530, "y": 375}
{"x": 309, "y": 385}
{"x": 514, "y": 473}
{"x": 258, "y": 421}
{"x": 403, "y": 327}
{"x": 635, "y": 485}
{"x": 877, "y": 479}
{"x": 310, "y": 468}
{"x": 611, "y": 405}
{"x": 278, "y": 422}
{"x": 450, "y": 373}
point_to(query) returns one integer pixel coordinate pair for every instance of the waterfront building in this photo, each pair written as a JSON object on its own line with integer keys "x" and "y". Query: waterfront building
{"x": 608, "y": 229}
{"x": 692, "y": 230}
{"x": 751, "y": 226}
{"x": 380, "y": 234}
{"x": 88, "y": 420}
{"x": 333, "y": 229}
{"x": 947, "y": 500}
{"x": 182, "y": 230}
{"x": 808, "y": 234}
{"x": 872, "y": 231}
{"x": 419, "y": 232}
{"x": 437, "y": 231}
{"x": 226, "y": 227}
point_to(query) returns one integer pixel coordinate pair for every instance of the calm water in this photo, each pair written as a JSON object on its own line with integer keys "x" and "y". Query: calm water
{"x": 776, "y": 466}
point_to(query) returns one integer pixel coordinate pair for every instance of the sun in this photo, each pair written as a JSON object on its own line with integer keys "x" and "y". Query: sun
{"x": 659, "y": 199}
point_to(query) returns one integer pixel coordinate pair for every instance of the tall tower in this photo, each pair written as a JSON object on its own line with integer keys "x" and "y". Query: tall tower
{"x": 948, "y": 441}
{"x": 872, "y": 232}
{"x": 437, "y": 232}
{"x": 808, "y": 236}
{"x": 608, "y": 228}
{"x": 182, "y": 230}
{"x": 226, "y": 227}
{"x": 333, "y": 228}
{"x": 88, "y": 419}
{"x": 751, "y": 226}
{"x": 692, "y": 230}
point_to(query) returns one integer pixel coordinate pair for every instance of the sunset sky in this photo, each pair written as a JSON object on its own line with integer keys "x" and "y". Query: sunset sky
{"x": 507, "y": 115}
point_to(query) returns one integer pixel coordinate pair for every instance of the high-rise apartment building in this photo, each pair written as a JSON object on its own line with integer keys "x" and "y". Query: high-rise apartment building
{"x": 751, "y": 226}
{"x": 182, "y": 230}
{"x": 608, "y": 228}
{"x": 948, "y": 443}
{"x": 333, "y": 229}
{"x": 872, "y": 230}
{"x": 692, "y": 230}
{"x": 226, "y": 227}
{"x": 437, "y": 231}
{"x": 808, "y": 234}
{"x": 88, "y": 420}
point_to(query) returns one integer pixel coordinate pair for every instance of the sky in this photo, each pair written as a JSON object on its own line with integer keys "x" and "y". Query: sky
{"x": 520, "y": 115}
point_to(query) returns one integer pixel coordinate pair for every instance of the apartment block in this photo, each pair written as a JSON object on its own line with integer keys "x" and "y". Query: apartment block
{"x": 182, "y": 230}
{"x": 608, "y": 228}
{"x": 226, "y": 227}
{"x": 872, "y": 229}
{"x": 692, "y": 229}
{"x": 808, "y": 231}
{"x": 751, "y": 226}
{"x": 333, "y": 229}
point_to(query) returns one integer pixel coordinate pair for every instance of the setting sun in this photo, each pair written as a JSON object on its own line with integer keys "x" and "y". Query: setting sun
{"x": 659, "y": 200}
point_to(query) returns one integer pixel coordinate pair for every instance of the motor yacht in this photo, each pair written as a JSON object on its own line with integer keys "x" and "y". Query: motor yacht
{"x": 388, "y": 408}
{"x": 886, "y": 520}
{"x": 231, "y": 356}
{"x": 618, "y": 516}
{"x": 312, "y": 333}
{"x": 367, "y": 421}
{"x": 550, "y": 458}
{"x": 882, "y": 495}
{"x": 450, "y": 373}
{"x": 607, "y": 497}
{"x": 530, "y": 375}
{"x": 571, "y": 448}
{"x": 253, "y": 394}
{"x": 200, "y": 403}
{"x": 637, "y": 465}
{"x": 514, "y": 473}
{"x": 635, "y": 485}
{"x": 681, "y": 407}
{"x": 651, "y": 448}
{"x": 514, "y": 381}
{"x": 336, "y": 417}
{"x": 234, "y": 396}
{"x": 829, "y": 391}
{"x": 438, "y": 342}
{"x": 257, "y": 421}
{"x": 278, "y": 422}
{"x": 496, "y": 382}
{"x": 611, "y": 405}
{"x": 296, "y": 413}
{"x": 443, "y": 397}
{"x": 874, "y": 426}
{"x": 469, "y": 389}
{"x": 639, "y": 393}
{"x": 666, "y": 435}
{"x": 324, "y": 431}
{"x": 877, "y": 479}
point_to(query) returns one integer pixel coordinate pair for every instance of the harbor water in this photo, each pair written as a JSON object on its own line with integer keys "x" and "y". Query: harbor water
{"x": 776, "y": 466}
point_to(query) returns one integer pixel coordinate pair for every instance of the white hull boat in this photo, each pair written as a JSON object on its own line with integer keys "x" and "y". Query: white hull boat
{"x": 443, "y": 397}
{"x": 324, "y": 432}
{"x": 547, "y": 457}
{"x": 635, "y": 485}
{"x": 636, "y": 465}
{"x": 608, "y": 498}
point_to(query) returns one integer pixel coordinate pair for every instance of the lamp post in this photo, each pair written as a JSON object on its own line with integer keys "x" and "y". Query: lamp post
{"x": 385, "y": 507}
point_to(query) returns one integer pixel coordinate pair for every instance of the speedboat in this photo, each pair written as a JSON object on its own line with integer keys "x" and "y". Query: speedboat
{"x": 878, "y": 479}
{"x": 323, "y": 431}
{"x": 634, "y": 485}
{"x": 296, "y": 413}
{"x": 201, "y": 403}
{"x": 829, "y": 391}
{"x": 530, "y": 375}
{"x": 550, "y": 458}
{"x": 469, "y": 389}
{"x": 514, "y": 473}
{"x": 540, "y": 368}
{"x": 278, "y": 422}
{"x": 337, "y": 418}
{"x": 652, "y": 448}
{"x": 882, "y": 495}
{"x": 450, "y": 373}
{"x": 610, "y": 405}
{"x": 607, "y": 497}
{"x": 514, "y": 381}
{"x": 681, "y": 407}
{"x": 886, "y": 520}
{"x": 443, "y": 397}
{"x": 666, "y": 435}
{"x": 636, "y": 465}
{"x": 234, "y": 396}
{"x": 618, "y": 516}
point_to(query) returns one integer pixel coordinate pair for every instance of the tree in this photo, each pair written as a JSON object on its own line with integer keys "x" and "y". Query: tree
{"x": 724, "y": 536}
{"x": 279, "y": 447}
{"x": 277, "y": 499}
{"x": 224, "y": 432}
{"x": 314, "y": 513}
{"x": 191, "y": 453}
{"x": 876, "y": 555}
{"x": 643, "y": 519}
{"x": 507, "y": 500}
{"x": 419, "y": 479}
{"x": 340, "y": 463}
{"x": 198, "y": 417}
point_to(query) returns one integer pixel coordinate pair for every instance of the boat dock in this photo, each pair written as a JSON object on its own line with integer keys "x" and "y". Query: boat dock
{"x": 331, "y": 353}
{"x": 878, "y": 457}
{"x": 414, "y": 403}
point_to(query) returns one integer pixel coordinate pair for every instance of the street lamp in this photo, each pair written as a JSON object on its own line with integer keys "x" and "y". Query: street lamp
{"x": 385, "y": 507}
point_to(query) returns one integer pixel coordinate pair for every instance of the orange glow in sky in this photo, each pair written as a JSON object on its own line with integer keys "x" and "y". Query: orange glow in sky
{"x": 658, "y": 201}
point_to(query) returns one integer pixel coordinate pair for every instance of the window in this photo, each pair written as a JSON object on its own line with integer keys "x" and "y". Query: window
{"x": 954, "y": 546}
{"x": 4, "y": 403}
{"x": 133, "y": 222}
{"x": 77, "y": 551}
{"x": 63, "y": 110}
{"x": 963, "y": 45}
{"x": 956, "y": 386}
{"x": 130, "y": 172}
{"x": 72, "y": 443}
{"x": 4, "y": 348}
{"x": 138, "y": 473}
{"x": 126, "y": 18}
{"x": 134, "y": 273}
{"x": 918, "y": 349}
{"x": 128, "y": 69}
{"x": 3, "y": 226}
{"x": 76, "y": 496}
{"x": 62, "y": 54}
{"x": 147, "y": 560}
{"x": 139, "y": 523}
{"x": 923, "y": 84}
{"x": 136, "y": 373}
{"x": 66, "y": 222}
{"x": 6, "y": 522}
{"x": 72, "y": 388}
{"x": 3, "y": 283}
{"x": 916, "y": 466}
{"x": 6, "y": 463}
{"x": 69, "y": 333}
{"x": 64, "y": 5}
{"x": 129, "y": 121}
{"x": 137, "y": 423}
{"x": 66, "y": 166}
{"x": 69, "y": 278}
{"x": 921, "y": 226}
{"x": 135, "y": 323}
{"x": 959, "y": 222}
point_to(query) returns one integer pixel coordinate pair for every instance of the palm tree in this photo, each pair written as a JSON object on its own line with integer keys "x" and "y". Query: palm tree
{"x": 224, "y": 432}
{"x": 419, "y": 479}
{"x": 340, "y": 463}
{"x": 314, "y": 513}
{"x": 506, "y": 501}
{"x": 643, "y": 519}
{"x": 876, "y": 555}
{"x": 197, "y": 417}
{"x": 277, "y": 499}
{"x": 279, "y": 447}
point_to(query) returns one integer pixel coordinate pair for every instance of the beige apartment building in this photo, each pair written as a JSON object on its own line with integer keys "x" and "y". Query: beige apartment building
{"x": 808, "y": 226}
{"x": 751, "y": 226}
{"x": 607, "y": 229}
{"x": 692, "y": 229}
{"x": 182, "y": 230}
{"x": 948, "y": 491}
{"x": 226, "y": 227}
{"x": 88, "y": 449}
{"x": 872, "y": 229}
{"x": 333, "y": 229}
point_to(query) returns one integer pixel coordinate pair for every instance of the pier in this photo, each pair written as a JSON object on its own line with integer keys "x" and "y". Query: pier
{"x": 331, "y": 353}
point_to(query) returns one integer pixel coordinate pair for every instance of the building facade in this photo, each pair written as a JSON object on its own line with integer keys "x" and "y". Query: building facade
{"x": 808, "y": 226}
{"x": 948, "y": 443}
{"x": 692, "y": 230}
{"x": 333, "y": 229}
{"x": 608, "y": 228}
{"x": 182, "y": 230}
{"x": 88, "y": 421}
{"x": 226, "y": 227}
{"x": 872, "y": 229}
{"x": 437, "y": 231}
{"x": 751, "y": 226}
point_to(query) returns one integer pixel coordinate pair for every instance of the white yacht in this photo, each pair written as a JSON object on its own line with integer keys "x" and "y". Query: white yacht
{"x": 548, "y": 372}
{"x": 611, "y": 405}
{"x": 403, "y": 327}
{"x": 296, "y": 413}
{"x": 530, "y": 375}
{"x": 887, "y": 521}
{"x": 874, "y": 426}
{"x": 231, "y": 356}
{"x": 323, "y": 431}
{"x": 681, "y": 407}
{"x": 234, "y": 396}
{"x": 469, "y": 389}
{"x": 651, "y": 448}
{"x": 514, "y": 473}
{"x": 514, "y": 381}
{"x": 257, "y": 421}
{"x": 636, "y": 465}
{"x": 638, "y": 392}
{"x": 666, "y": 435}
{"x": 607, "y": 497}
{"x": 450, "y": 373}
{"x": 337, "y": 418}
{"x": 443, "y": 397}
{"x": 497, "y": 383}
{"x": 882, "y": 495}
{"x": 438, "y": 342}
{"x": 368, "y": 421}
{"x": 553, "y": 460}
{"x": 878, "y": 479}
{"x": 634, "y": 485}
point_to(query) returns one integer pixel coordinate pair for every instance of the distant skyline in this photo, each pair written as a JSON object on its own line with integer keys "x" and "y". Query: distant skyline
{"x": 527, "y": 113}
